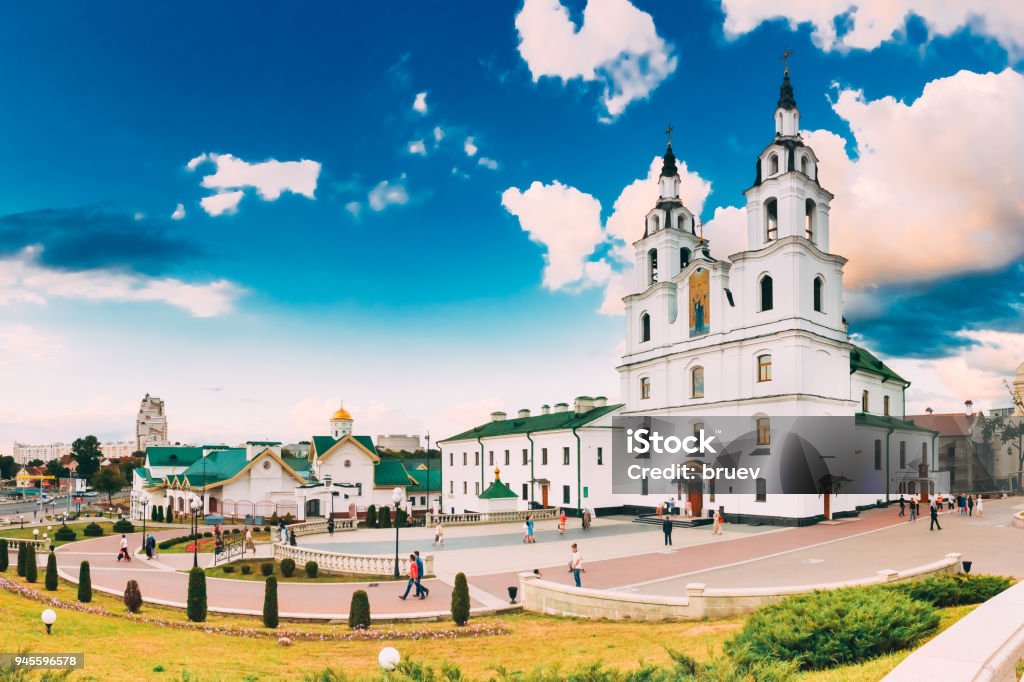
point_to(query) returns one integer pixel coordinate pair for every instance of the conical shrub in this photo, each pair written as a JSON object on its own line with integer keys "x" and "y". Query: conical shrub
{"x": 51, "y": 572}
{"x": 359, "y": 611}
{"x": 270, "y": 603}
{"x": 84, "y": 583}
{"x": 460, "y": 600}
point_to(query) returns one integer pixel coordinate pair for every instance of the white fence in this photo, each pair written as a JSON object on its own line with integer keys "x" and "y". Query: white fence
{"x": 491, "y": 517}
{"x": 314, "y": 527}
{"x": 15, "y": 543}
{"x": 349, "y": 564}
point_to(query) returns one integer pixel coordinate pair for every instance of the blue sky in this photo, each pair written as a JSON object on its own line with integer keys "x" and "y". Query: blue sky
{"x": 391, "y": 270}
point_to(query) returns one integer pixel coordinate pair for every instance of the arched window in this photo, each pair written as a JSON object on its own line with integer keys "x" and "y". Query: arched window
{"x": 652, "y": 266}
{"x": 805, "y": 165}
{"x": 819, "y": 284}
{"x": 878, "y": 455}
{"x": 809, "y": 208}
{"x": 764, "y": 431}
{"x": 885, "y": 405}
{"x": 864, "y": 401}
{"x": 764, "y": 368}
{"x": 681, "y": 222}
{"x": 684, "y": 257}
{"x": 697, "y": 382}
{"x": 766, "y": 292}
{"x": 656, "y": 223}
{"x": 903, "y": 454}
{"x": 771, "y": 220}
{"x": 773, "y": 164}
{"x": 645, "y": 327}
{"x": 645, "y": 388}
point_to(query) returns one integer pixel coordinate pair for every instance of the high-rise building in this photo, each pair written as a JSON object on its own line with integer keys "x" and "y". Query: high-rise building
{"x": 24, "y": 453}
{"x": 151, "y": 424}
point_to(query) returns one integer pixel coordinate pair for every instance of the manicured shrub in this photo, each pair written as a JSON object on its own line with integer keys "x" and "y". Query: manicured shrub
{"x": 246, "y": 569}
{"x": 124, "y": 526}
{"x": 159, "y": 512}
{"x": 5, "y": 557}
{"x": 207, "y": 534}
{"x": 401, "y": 519}
{"x": 312, "y": 569}
{"x": 133, "y": 596}
{"x": 64, "y": 534}
{"x": 196, "y": 605}
{"x": 170, "y": 513}
{"x": 359, "y": 611}
{"x": 270, "y": 603}
{"x": 235, "y": 531}
{"x": 267, "y": 568}
{"x": 833, "y": 628}
{"x": 31, "y": 569}
{"x": 93, "y": 530}
{"x": 287, "y": 567}
{"x": 460, "y": 600}
{"x": 229, "y": 569}
{"x": 152, "y": 512}
{"x": 22, "y": 548}
{"x": 50, "y": 582}
{"x": 384, "y": 517}
{"x": 266, "y": 529}
{"x": 84, "y": 583}
{"x": 371, "y": 516}
{"x": 955, "y": 590}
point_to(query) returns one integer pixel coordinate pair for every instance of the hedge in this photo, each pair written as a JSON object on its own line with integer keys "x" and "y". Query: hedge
{"x": 229, "y": 569}
{"x": 196, "y": 605}
{"x": 267, "y": 568}
{"x": 5, "y": 558}
{"x": 460, "y": 600}
{"x": 371, "y": 516}
{"x": 50, "y": 582}
{"x": 93, "y": 530}
{"x": 246, "y": 569}
{"x": 270, "y": 603}
{"x": 312, "y": 569}
{"x": 287, "y": 567}
{"x": 955, "y": 590}
{"x": 84, "y": 583}
{"x": 31, "y": 568}
{"x": 124, "y": 526}
{"x": 64, "y": 534}
{"x": 359, "y": 611}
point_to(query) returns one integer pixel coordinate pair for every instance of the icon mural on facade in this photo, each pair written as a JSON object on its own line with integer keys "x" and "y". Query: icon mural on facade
{"x": 700, "y": 314}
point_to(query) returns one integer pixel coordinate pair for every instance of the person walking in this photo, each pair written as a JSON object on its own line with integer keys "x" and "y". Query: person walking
{"x": 576, "y": 564}
{"x": 586, "y": 519}
{"x": 903, "y": 506}
{"x": 717, "y": 525}
{"x": 439, "y": 534}
{"x": 980, "y": 507}
{"x": 124, "y": 550}
{"x": 561, "y": 522}
{"x": 151, "y": 546}
{"x": 970, "y": 505}
{"x": 531, "y": 536}
{"x": 934, "y": 511}
{"x": 421, "y": 591}
{"x": 526, "y": 529}
{"x": 952, "y": 502}
{"x": 414, "y": 576}
{"x": 913, "y": 509}
{"x": 146, "y": 546}
{"x": 249, "y": 544}
{"x": 666, "y": 528}
{"x": 961, "y": 502}
{"x": 330, "y": 527}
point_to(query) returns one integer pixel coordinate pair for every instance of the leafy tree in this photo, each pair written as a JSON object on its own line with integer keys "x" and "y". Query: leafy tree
{"x": 196, "y": 606}
{"x": 22, "y": 551}
{"x": 51, "y": 572}
{"x": 108, "y": 480}
{"x": 35, "y": 463}
{"x": 56, "y": 469}
{"x": 460, "y": 600}
{"x": 384, "y": 518}
{"x": 87, "y": 453}
{"x": 8, "y": 467}
{"x": 270, "y": 603}
{"x": 1011, "y": 434}
{"x": 170, "y": 513}
{"x": 359, "y": 611}
{"x": 84, "y": 583}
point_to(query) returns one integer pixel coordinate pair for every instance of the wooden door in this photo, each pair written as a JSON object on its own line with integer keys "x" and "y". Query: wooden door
{"x": 695, "y": 495}
{"x": 828, "y": 505}
{"x": 544, "y": 495}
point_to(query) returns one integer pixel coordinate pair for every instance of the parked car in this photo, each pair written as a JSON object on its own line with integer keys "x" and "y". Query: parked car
{"x": 90, "y": 493}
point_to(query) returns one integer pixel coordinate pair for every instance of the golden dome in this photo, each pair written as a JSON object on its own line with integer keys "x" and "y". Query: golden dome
{"x": 342, "y": 413}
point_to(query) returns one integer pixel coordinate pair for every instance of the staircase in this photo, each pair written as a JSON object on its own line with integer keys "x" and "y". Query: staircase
{"x": 677, "y": 521}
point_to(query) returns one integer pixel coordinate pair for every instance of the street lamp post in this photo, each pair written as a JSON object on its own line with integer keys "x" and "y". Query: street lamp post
{"x": 144, "y": 500}
{"x": 196, "y": 506}
{"x": 396, "y": 497}
{"x": 21, "y": 517}
{"x": 329, "y": 483}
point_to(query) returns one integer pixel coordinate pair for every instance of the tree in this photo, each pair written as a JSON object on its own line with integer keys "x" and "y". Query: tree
{"x": 170, "y": 512}
{"x": 22, "y": 551}
{"x": 1011, "y": 435}
{"x": 87, "y": 453}
{"x": 57, "y": 470}
{"x": 371, "y": 516}
{"x": 133, "y": 596}
{"x": 159, "y": 512}
{"x": 8, "y": 467}
{"x": 35, "y": 463}
{"x": 5, "y": 558}
{"x": 384, "y": 518}
{"x": 108, "y": 480}
{"x": 270, "y": 603}
{"x": 196, "y": 606}
{"x": 84, "y": 583}
{"x": 460, "y": 600}
{"x": 51, "y": 572}
{"x": 31, "y": 568}
{"x": 359, "y": 611}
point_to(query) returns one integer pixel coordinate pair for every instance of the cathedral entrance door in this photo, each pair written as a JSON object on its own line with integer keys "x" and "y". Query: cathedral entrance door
{"x": 544, "y": 495}
{"x": 695, "y": 496}
{"x": 828, "y": 505}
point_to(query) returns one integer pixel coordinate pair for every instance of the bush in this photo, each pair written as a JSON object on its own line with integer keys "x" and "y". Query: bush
{"x": 838, "y": 627}
{"x": 133, "y": 596}
{"x": 246, "y": 569}
{"x": 50, "y": 582}
{"x": 124, "y": 526}
{"x": 401, "y": 519}
{"x": 267, "y": 568}
{"x": 229, "y": 569}
{"x": 170, "y": 513}
{"x": 384, "y": 517}
{"x": 270, "y": 603}
{"x": 84, "y": 583}
{"x": 64, "y": 534}
{"x": 266, "y": 529}
{"x": 21, "y": 560}
{"x": 371, "y": 516}
{"x": 196, "y": 606}
{"x": 93, "y": 530}
{"x": 359, "y": 611}
{"x": 460, "y": 600}
{"x": 5, "y": 557}
{"x": 287, "y": 567}
{"x": 152, "y": 512}
{"x": 312, "y": 569}
{"x": 31, "y": 568}
{"x": 235, "y": 531}
{"x": 955, "y": 590}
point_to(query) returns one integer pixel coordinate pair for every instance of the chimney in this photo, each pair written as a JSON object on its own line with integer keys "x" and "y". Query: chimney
{"x": 523, "y": 414}
{"x": 928, "y": 410}
{"x": 498, "y": 416}
{"x": 583, "y": 404}
{"x": 561, "y": 407}
{"x": 969, "y": 407}
{"x": 600, "y": 401}
{"x": 545, "y": 409}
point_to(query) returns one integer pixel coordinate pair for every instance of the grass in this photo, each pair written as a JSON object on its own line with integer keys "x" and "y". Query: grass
{"x": 208, "y": 544}
{"x": 298, "y": 577}
{"x": 26, "y": 533}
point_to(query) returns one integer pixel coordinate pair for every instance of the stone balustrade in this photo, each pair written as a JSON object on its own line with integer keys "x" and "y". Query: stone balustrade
{"x": 15, "y": 543}
{"x": 1018, "y": 520}
{"x": 491, "y": 517}
{"x": 315, "y": 527}
{"x": 349, "y": 564}
{"x": 542, "y": 596}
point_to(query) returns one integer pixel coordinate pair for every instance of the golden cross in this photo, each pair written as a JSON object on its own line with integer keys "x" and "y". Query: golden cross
{"x": 668, "y": 132}
{"x": 785, "y": 57}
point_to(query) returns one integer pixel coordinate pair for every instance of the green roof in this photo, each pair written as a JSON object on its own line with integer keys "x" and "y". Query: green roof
{"x": 555, "y": 421}
{"x": 863, "y": 361}
{"x": 219, "y": 465}
{"x": 497, "y": 490}
{"x": 146, "y": 476}
{"x": 172, "y": 455}
{"x": 367, "y": 443}
{"x": 300, "y": 464}
{"x": 391, "y": 472}
{"x": 865, "y": 419}
{"x": 322, "y": 444}
{"x": 426, "y": 481}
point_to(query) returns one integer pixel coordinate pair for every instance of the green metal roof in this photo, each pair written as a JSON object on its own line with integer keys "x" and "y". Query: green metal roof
{"x": 367, "y": 443}
{"x": 556, "y": 421}
{"x": 172, "y": 455}
{"x": 426, "y": 481}
{"x": 219, "y": 465}
{"x": 862, "y": 360}
{"x": 322, "y": 444}
{"x": 497, "y": 490}
{"x": 391, "y": 472}
{"x": 146, "y": 476}
{"x": 300, "y": 464}
{"x": 865, "y": 419}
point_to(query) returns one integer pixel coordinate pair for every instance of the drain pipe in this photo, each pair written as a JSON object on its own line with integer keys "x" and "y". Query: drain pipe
{"x": 888, "y": 435}
{"x": 533, "y": 478}
{"x": 579, "y": 473}
{"x": 479, "y": 440}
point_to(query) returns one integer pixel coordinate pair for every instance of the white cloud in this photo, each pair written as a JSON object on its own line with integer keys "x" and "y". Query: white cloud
{"x": 617, "y": 44}
{"x": 420, "y": 103}
{"x": 139, "y": 215}
{"x": 24, "y": 280}
{"x": 869, "y": 23}
{"x": 438, "y": 134}
{"x": 418, "y": 147}
{"x": 355, "y": 208}
{"x": 222, "y": 203}
{"x": 179, "y": 212}
{"x": 388, "y": 193}
{"x": 470, "y": 147}
{"x": 22, "y": 345}
{"x": 459, "y": 173}
{"x": 488, "y": 163}
{"x": 194, "y": 162}
{"x": 727, "y": 231}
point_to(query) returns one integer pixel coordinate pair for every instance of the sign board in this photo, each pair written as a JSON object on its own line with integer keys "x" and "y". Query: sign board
{"x": 79, "y": 485}
{"x": 78, "y": 500}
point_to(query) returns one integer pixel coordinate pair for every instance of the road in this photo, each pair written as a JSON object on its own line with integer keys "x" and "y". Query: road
{"x": 26, "y": 506}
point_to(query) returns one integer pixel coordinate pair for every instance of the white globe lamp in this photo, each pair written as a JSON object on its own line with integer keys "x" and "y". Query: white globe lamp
{"x": 50, "y": 617}
{"x": 389, "y": 658}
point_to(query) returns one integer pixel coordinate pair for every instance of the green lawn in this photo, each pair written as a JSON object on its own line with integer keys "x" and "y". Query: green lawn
{"x": 298, "y": 577}
{"x": 17, "y": 532}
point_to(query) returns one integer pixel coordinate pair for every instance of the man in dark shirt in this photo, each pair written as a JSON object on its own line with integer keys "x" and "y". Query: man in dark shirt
{"x": 666, "y": 528}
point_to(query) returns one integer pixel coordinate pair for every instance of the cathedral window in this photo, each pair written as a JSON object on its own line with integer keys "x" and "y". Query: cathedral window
{"x": 697, "y": 382}
{"x": 878, "y": 455}
{"x": 684, "y": 257}
{"x": 885, "y": 405}
{"x": 652, "y": 266}
{"x": 819, "y": 284}
{"x": 773, "y": 164}
{"x": 764, "y": 368}
{"x": 645, "y": 388}
{"x": 809, "y": 220}
{"x": 771, "y": 220}
{"x": 645, "y": 327}
{"x": 903, "y": 454}
{"x": 656, "y": 223}
{"x": 864, "y": 401}
{"x": 764, "y": 431}
{"x": 681, "y": 222}
{"x": 766, "y": 293}
{"x": 804, "y": 166}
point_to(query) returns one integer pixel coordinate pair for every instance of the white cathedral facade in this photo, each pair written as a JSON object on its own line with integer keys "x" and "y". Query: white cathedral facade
{"x": 756, "y": 335}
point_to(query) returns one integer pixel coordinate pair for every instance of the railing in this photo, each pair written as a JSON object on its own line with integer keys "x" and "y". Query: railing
{"x": 491, "y": 517}
{"x": 315, "y": 527}
{"x": 349, "y": 564}
{"x": 233, "y": 547}
{"x": 15, "y": 543}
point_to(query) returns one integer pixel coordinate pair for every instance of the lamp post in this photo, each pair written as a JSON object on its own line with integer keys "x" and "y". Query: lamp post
{"x": 49, "y": 617}
{"x": 196, "y": 506}
{"x": 144, "y": 500}
{"x": 328, "y": 483}
{"x": 396, "y": 497}
{"x": 21, "y": 517}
